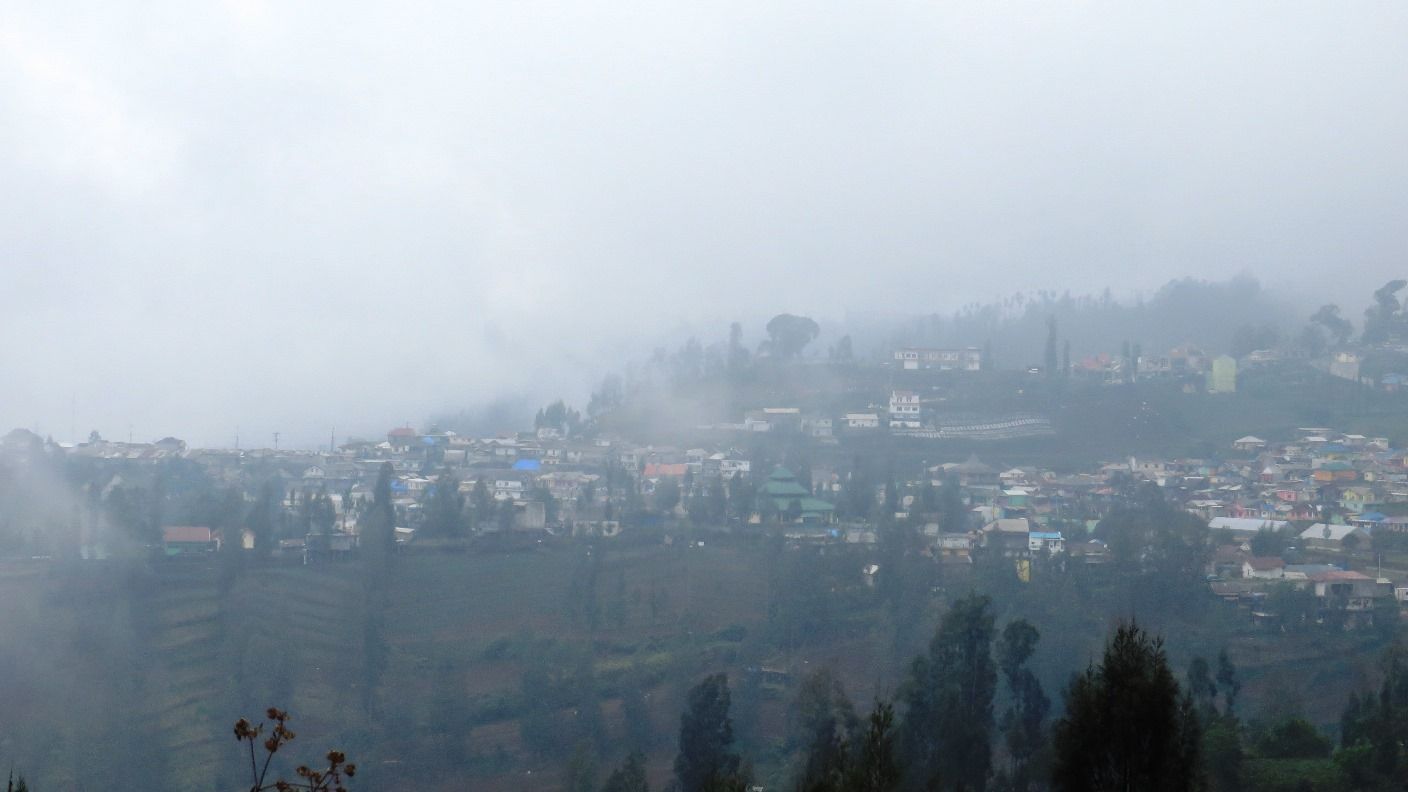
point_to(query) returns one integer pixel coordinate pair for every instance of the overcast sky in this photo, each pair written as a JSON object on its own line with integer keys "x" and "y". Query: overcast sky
{"x": 290, "y": 215}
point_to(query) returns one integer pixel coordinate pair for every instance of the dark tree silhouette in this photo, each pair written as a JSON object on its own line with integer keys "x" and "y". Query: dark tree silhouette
{"x": 874, "y": 767}
{"x": 629, "y": 777}
{"x": 946, "y": 735}
{"x": 1127, "y": 725}
{"x": 444, "y": 507}
{"x": 1338, "y": 327}
{"x": 1050, "y": 360}
{"x": 789, "y": 334}
{"x": 706, "y": 760}
{"x": 825, "y": 723}
{"x": 1022, "y": 721}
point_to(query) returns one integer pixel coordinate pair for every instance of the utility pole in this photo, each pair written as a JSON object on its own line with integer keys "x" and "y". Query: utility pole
{"x": 276, "y": 441}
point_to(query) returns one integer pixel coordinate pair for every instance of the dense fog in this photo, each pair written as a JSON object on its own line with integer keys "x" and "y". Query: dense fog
{"x": 742, "y": 397}
{"x": 330, "y": 216}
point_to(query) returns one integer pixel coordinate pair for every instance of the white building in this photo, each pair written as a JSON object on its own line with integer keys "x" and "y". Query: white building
{"x": 862, "y": 420}
{"x": 904, "y": 409}
{"x": 1345, "y": 365}
{"x": 1330, "y": 536}
{"x": 913, "y": 358}
{"x": 508, "y": 489}
{"x": 1243, "y": 528}
{"x": 1264, "y": 568}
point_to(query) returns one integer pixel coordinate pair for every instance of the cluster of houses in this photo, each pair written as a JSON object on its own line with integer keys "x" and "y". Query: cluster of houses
{"x": 1348, "y": 364}
{"x": 1348, "y": 594}
{"x": 1188, "y": 364}
{"x": 907, "y": 413}
{"x": 1321, "y": 476}
{"x": 1218, "y": 373}
{"x": 1326, "y": 493}
{"x": 536, "y": 484}
{"x": 911, "y": 413}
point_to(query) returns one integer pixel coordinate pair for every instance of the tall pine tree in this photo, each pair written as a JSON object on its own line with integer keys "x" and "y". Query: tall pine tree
{"x": 1127, "y": 724}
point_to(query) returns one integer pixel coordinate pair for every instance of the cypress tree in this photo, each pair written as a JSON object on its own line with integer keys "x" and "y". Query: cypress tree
{"x": 1022, "y": 722}
{"x": 706, "y": 760}
{"x": 946, "y": 738}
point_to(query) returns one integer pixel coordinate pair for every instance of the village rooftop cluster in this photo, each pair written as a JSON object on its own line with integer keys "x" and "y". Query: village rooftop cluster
{"x": 1325, "y": 496}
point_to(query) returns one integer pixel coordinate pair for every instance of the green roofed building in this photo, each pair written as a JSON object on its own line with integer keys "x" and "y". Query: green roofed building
{"x": 783, "y": 498}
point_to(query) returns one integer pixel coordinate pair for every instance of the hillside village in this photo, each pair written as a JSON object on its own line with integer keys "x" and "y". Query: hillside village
{"x": 1323, "y": 509}
{"x": 719, "y": 510}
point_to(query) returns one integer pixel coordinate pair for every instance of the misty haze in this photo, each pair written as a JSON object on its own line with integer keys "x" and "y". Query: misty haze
{"x": 743, "y": 397}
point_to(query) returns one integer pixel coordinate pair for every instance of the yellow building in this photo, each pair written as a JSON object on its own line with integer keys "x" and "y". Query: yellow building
{"x": 1222, "y": 377}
